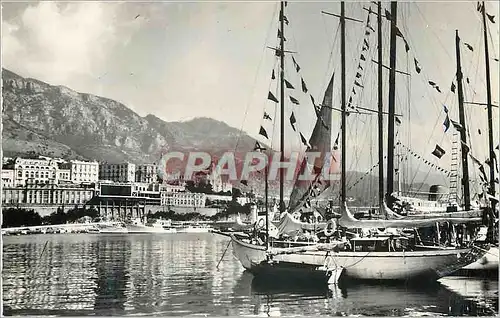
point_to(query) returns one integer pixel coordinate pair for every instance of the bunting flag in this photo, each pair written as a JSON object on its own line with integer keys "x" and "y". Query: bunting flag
{"x": 479, "y": 131}
{"x": 354, "y": 91}
{"x": 293, "y": 121}
{"x": 303, "y": 139}
{"x": 362, "y": 57}
{"x": 438, "y": 152}
{"x": 397, "y": 120}
{"x": 360, "y": 67}
{"x": 453, "y": 87}
{"x": 417, "y": 67}
{"x": 289, "y": 85}
{"x": 479, "y": 7}
{"x": 336, "y": 143}
{"x": 435, "y": 86}
{"x": 445, "y": 109}
{"x": 266, "y": 116}
{"x": 491, "y": 17}
{"x": 467, "y": 80}
{"x": 365, "y": 42}
{"x": 273, "y": 76}
{"x": 263, "y": 132}
{"x": 446, "y": 123}
{"x": 284, "y": 18}
{"x": 358, "y": 75}
{"x": 312, "y": 100}
{"x": 270, "y": 96}
{"x": 304, "y": 87}
{"x": 297, "y": 67}
{"x": 367, "y": 32}
{"x": 457, "y": 126}
{"x": 495, "y": 59}
{"x": 358, "y": 84}
{"x": 388, "y": 15}
{"x": 258, "y": 147}
{"x": 277, "y": 52}
{"x": 469, "y": 46}
{"x": 294, "y": 100}
{"x": 280, "y": 35}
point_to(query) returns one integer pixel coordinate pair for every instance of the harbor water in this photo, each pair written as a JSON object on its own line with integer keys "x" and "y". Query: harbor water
{"x": 177, "y": 274}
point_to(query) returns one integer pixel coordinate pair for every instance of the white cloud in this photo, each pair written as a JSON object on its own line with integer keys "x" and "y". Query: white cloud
{"x": 56, "y": 41}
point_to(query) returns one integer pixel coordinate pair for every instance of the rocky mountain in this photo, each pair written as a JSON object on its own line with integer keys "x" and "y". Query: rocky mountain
{"x": 43, "y": 119}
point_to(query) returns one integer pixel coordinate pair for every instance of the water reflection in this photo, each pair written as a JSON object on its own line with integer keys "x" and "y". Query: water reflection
{"x": 178, "y": 275}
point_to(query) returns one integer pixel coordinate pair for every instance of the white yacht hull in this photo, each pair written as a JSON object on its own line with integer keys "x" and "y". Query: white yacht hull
{"x": 113, "y": 230}
{"x": 359, "y": 265}
{"x": 143, "y": 229}
{"x": 194, "y": 230}
{"x": 487, "y": 262}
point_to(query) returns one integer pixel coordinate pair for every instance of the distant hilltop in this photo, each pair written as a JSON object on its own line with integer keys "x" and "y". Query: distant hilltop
{"x": 55, "y": 121}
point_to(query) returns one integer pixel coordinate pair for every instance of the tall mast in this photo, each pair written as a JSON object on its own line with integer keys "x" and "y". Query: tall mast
{"x": 380, "y": 112}
{"x": 267, "y": 205}
{"x": 463, "y": 136}
{"x": 490, "y": 110}
{"x": 392, "y": 98}
{"x": 282, "y": 100}
{"x": 343, "y": 198}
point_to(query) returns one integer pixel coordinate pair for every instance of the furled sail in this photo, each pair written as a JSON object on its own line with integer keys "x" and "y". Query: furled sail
{"x": 349, "y": 221}
{"x": 320, "y": 142}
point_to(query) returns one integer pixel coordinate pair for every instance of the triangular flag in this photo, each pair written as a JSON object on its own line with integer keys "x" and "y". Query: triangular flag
{"x": 289, "y": 85}
{"x": 437, "y": 88}
{"x": 432, "y": 83}
{"x": 263, "y": 132}
{"x": 270, "y": 96}
{"x": 336, "y": 143}
{"x": 469, "y": 46}
{"x": 358, "y": 75}
{"x": 293, "y": 121}
{"x": 280, "y": 35}
{"x": 453, "y": 87}
{"x": 479, "y": 7}
{"x": 266, "y": 116}
{"x": 398, "y": 121}
{"x": 491, "y": 17}
{"x": 357, "y": 84}
{"x": 294, "y": 100}
{"x": 417, "y": 68}
{"x": 272, "y": 75}
{"x": 446, "y": 123}
{"x": 312, "y": 100}
{"x": 303, "y": 139}
{"x": 360, "y": 67}
{"x": 445, "y": 109}
{"x": 407, "y": 47}
{"x": 362, "y": 57}
{"x": 304, "y": 87}
{"x": 387, "y": 15}
{"x": 371, "y": 28}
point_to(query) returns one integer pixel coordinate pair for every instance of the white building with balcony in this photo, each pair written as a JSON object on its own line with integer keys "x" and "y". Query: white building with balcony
{"x": 121, "y": 172}
{"x": 82, "y": 171}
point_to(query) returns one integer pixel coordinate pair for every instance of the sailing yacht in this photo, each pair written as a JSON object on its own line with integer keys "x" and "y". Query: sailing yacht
{"x": 384, "y": 255}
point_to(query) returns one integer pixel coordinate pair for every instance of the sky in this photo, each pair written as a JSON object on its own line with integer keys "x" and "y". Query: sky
{"x": 180, "y": 60}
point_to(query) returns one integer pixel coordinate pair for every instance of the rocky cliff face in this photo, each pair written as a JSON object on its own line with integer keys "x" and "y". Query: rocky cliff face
{"x": 57, "y": 121}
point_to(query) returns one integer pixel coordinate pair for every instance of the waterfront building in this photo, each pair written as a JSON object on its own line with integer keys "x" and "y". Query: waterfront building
{"x": 82, "y": 171}
{"x": 122, "y": 172}
{"x": 33, "y": 171}
{"x": 64, "y": 175}
{"x": 47, "y": 194}
{"x": 146, "y": 173}
{"x": 121, "y": 201}
{"x": 7, "y": 178}
{"x": 183, "y": 199}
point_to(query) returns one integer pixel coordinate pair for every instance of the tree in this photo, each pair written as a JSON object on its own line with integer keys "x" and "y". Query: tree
{"x": 15, "y": 217}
